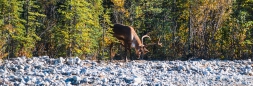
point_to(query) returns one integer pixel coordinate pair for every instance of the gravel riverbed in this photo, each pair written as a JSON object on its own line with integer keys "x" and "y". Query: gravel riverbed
{"x": 47, "y": 71}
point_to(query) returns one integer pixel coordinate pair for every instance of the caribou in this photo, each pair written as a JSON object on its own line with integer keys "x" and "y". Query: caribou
{"x": 129, "y": 39}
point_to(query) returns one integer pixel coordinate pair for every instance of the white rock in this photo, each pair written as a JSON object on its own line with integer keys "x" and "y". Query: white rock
{"x": 155, "y": 80}
{"x": 55, "y": 61}
{"x": 35, "y": 59}
{"x": 45, "y": 57}
{"x": 128, "y": 79}
{"x": 29, "y": 82}
{"x": 20, "y": 67}
{"x": 104, "y": 80}
{"x": 2, "y": 71}
{"x": 102, "y": 74}
{"x": 181, "y": 67}
{"x": 250, "y": 73}
{"x": 247, "y": 71}
{"x": 249, "y": 67}
{"x": 130, "y": 73}
{"x": 76, "y": 78}
{"x": 218, "y": 78}
{"x": 83, "y": 70}
{"x": 78, "y": 60}
{"x": 206, "y": 72}
{"x": 137, "y": 80}
{"x": 21, "y": 60}
{"x": 94, "y": 63}
{"x": 61, "y": 60}
{"x": 58, "y": 77}
{"x": 29, "y": 61}
{"x": 209, "y": 69}
{"x": 70, "y": 61}
{"x": 22, "y": 84}
{"x": 75, "y": 72}
{"x": 86, "y": 79}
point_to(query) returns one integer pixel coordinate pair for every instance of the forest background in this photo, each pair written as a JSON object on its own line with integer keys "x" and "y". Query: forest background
{"x": 208, "y": 29}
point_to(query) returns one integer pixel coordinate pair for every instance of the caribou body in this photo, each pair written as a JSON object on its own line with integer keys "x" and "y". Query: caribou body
{"x": 129, "y": 39}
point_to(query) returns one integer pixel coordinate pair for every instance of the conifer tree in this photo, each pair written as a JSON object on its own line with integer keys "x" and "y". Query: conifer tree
{"x": 78, "y": 27}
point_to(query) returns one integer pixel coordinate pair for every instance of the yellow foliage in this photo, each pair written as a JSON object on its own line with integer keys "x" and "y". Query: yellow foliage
{"x": 108, "y": 39}
{"x": 127, "y": 14}
{"x": 9, "y": 28}
{"x": 119, "y": 3}
{"x": 2, "y": 53}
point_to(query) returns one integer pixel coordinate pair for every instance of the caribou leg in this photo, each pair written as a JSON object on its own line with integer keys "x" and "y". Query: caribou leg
{"x": 129, "y": 50}
{"x": 111, "y": 52}
{"x": 126, "y": 51}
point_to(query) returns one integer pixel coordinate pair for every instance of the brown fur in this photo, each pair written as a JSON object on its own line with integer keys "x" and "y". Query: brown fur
{"x": 128, "y": 37}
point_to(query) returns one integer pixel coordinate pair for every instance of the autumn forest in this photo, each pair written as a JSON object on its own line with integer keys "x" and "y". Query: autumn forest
{"x": 207, "y": 29}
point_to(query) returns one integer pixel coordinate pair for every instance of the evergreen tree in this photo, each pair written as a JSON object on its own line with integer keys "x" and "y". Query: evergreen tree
{"x": 32, "y": 16}
{"x": 78, "y": 27}
{"x": 11, "y": 14}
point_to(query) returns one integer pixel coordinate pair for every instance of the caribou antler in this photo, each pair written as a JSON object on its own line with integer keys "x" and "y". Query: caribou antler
{"x": 144, "y": 37}
{"x": 158, "y": 43}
